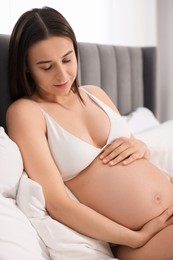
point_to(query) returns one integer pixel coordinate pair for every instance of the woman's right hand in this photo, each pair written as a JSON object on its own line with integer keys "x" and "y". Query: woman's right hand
{"x": 152, "y": 227}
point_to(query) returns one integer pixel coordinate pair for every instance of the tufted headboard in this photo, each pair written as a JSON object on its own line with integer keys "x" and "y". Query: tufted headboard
{"x": 127, "y": 74}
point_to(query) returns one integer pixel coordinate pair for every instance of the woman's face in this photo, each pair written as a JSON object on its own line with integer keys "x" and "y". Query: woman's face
{"x": 53, "y": 66}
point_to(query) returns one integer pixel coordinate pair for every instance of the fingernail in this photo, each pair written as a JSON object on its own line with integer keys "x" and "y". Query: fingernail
{"x": 111, "y": 163}
{"x": 105, "y": 161}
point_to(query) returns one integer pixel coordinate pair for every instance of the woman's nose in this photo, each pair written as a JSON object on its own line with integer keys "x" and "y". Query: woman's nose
{"x": 60, "y": 73}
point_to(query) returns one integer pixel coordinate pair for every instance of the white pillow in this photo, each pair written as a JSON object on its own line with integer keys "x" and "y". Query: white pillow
{"x": 11, "y": 165}
{"x": 141, "y": 120}
{"x": 160, "y": 142}
{"x": 62, "y": 242}
{"x": 18, "y": 239}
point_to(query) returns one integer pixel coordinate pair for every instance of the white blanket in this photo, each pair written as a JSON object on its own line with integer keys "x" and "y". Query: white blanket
{"x": 18, "y": 239}
{"x": 158, "y": 136}
{"x": 160, "y": 142}
{"x": 61, "y": 241}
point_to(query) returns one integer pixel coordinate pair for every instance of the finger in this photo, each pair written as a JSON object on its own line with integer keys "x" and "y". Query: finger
{"x": 110, "y": 148}
{"x": 169, "y": 221}
{"x": 106, "y": 152}
{"x": 121, "y": 157}
{"x": 166, "y": 215}
{"x": 120, "y": 153}
{"x": 133, "y": 157}
{"x": 112, "y": 151}
{"x": 113, "y": 146}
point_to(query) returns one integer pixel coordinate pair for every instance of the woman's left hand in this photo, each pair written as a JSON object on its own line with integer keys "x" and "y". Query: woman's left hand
{"x": 125, "y": 150}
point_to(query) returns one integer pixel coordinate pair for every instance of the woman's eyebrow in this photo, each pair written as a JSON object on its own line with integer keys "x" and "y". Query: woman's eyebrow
{"x": 69, "y": 52}
{"x": 48, "y": 61}
{"x": 43, "y": 61}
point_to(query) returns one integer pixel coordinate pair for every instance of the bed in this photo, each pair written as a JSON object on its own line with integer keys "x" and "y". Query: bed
{"x": 128, "y": 75}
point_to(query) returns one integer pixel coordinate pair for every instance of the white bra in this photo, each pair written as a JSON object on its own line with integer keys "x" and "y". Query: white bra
{"x": 70, "y": 153}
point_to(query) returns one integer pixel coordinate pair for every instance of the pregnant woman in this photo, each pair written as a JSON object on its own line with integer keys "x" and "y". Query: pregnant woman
{"x": 74, "y": 136}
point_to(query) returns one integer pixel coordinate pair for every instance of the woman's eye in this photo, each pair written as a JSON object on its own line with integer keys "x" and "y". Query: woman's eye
{"x": 48, "y": 68}
{"x": 66, "y": 61}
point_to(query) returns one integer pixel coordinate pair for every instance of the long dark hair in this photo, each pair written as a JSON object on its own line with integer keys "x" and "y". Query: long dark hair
{"x": 33, "y": 26}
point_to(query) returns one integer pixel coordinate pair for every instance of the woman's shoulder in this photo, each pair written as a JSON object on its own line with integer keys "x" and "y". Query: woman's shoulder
{"x": 22, "y": 105}
{"x": 94, "y": 90}
{"x": 23, "y": 109}
{"x": 100, "y": 94}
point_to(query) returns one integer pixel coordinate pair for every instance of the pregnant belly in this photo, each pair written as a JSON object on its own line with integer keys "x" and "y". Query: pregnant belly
{"x": 130, "y": 195}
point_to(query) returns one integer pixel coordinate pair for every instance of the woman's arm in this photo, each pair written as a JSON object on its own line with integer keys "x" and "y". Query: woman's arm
{"x": 27, "y": 128}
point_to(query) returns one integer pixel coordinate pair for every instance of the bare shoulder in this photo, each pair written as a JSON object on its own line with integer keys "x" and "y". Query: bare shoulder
{"x": 21, "y": 105}
{"x": 100, "y": 94}
{"x": 23, "y": 113}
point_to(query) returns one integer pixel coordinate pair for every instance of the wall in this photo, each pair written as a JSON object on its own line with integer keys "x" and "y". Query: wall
{"x": 123, "y": 22}
{"x": 134, "y": 22}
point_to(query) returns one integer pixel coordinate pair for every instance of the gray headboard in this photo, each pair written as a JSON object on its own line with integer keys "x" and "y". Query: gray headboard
{"x": 127, "y": 74}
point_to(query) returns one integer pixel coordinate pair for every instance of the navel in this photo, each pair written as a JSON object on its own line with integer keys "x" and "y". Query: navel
{"x": 157, "y": 199}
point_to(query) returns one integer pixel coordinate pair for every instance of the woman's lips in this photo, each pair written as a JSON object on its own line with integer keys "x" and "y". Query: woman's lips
{"x": 63, "y": 85}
